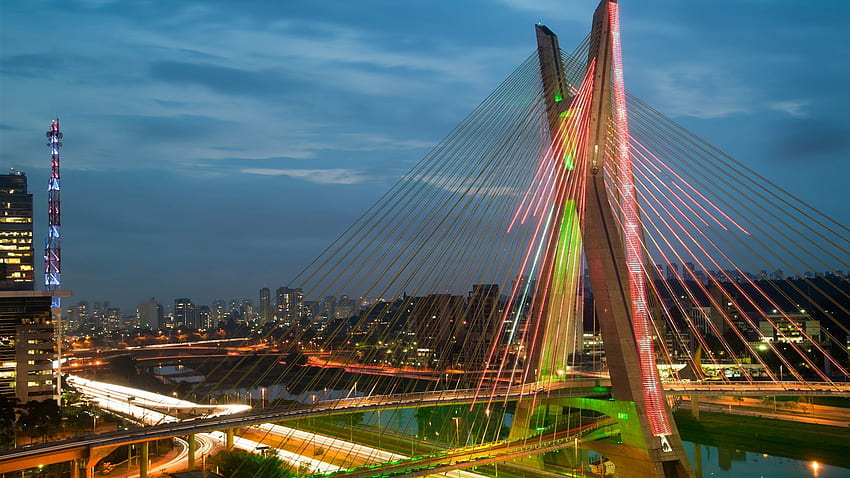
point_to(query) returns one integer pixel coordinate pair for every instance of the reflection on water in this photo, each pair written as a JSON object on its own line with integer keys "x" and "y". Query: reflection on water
{"x": 713, "y": 462}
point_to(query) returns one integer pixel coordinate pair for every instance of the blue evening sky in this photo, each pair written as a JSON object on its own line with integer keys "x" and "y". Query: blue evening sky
{"x": 216, "y": 147}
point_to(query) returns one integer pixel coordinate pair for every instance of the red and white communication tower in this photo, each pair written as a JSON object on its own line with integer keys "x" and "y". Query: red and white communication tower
{"x": 53, "y": 247}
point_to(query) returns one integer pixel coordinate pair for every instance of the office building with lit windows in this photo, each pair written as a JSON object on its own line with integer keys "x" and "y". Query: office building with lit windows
{"x": 27, "y": 345}
{"x": 16, "y": 246}
{"x": 27, "y": 332}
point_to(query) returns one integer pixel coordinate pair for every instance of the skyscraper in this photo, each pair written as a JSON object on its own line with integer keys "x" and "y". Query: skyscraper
{"x": 289, "y": 305}
{"x": 482, "y": 323}
{"x": 26, "y": 323}
{"x": 185, "y": 314}
{"x": 149, "y": 314}
{"x": 204, "y": 318}
{"x": 265, "y": 304}
{"x": 16, "y": 247}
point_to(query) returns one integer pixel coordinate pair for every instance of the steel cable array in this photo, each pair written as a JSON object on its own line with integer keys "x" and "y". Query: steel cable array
{"x": 480, "y": 209}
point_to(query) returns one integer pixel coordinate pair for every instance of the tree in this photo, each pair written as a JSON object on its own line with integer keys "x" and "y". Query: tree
{"x": 41, "y": 418}
{"x": 10, "y": 408}
{"x": 242, "y": 464}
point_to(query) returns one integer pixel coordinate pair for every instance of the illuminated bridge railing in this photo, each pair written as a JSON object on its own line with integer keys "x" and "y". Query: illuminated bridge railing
{"x": 841, "y": 389}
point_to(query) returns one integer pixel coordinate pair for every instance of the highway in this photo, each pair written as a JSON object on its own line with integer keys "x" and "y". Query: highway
{"x": 146, "y": 408}
{"x": 303, "y": 450}
{"x": 135, "y": 403}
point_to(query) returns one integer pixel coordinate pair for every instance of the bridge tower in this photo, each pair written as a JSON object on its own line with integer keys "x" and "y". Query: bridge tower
{"x": 651, "y": 445}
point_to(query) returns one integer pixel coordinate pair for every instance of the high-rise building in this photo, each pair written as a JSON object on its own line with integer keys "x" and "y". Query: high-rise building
{"x": 246, "y": 310}
{"x": 672, "y": 271}
{"x": 482, "y": 324}
{"x": 27, "y": 337}
{"x": 112, "y": 318}
{"x": 265, "y": 304}
{"x": 345, "y": 308}
{"x": 218, "y": 312}
{"x": 326, "y": 308}
{"x": 83, "y": 317}
{"x": 185, "y": 314}
{"x": 27, "y": 345}
{"x": 149, "y": 314}
{"x": 435, "y": 324}
{"x": 205, "y": 318}
{"x": 16, "y": 246}
{"x": 289, "y": 305}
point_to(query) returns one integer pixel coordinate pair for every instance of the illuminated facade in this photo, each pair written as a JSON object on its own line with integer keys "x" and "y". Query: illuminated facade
{"x": 27, "y": 345}
{"x": 16, "y": 246}
{"x": 265, "y": 304}
{"x": 290, "y": 303}
{"x": 26, "y": 329}
{"x": 185, "y": 314}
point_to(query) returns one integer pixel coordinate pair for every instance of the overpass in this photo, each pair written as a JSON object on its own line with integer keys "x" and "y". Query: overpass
{"x": 90, "y": 449}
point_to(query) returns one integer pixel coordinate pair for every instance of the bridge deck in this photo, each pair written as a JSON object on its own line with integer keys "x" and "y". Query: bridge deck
{"x": 22, "y": 458}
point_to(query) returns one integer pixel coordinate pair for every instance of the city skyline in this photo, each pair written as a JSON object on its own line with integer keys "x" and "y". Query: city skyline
{"x": 212, "y": 152}
{"x": 167, "y": 307}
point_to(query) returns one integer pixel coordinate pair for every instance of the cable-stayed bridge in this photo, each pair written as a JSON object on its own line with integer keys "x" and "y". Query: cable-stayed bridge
{"x": 564, "y": 202}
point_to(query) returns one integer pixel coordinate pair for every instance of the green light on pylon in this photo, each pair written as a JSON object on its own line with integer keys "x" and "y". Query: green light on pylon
{"x": 558, "y": 97}
{"x": 562, "y": 300}
{"x": 568, "y": 161}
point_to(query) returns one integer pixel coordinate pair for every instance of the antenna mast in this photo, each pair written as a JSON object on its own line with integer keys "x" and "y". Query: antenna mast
{"x": 53, "y": 248}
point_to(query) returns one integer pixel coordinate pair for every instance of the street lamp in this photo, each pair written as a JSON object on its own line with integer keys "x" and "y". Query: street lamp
{"x": 457, "y": 430}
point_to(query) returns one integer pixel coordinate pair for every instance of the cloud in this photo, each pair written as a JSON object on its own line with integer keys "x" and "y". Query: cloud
{"x": 553, "y": 9}
{"x": 792, "y": 107}
{"x": 321, "y": 176}
{"x": 373, "y": 142}
{"x": 698, "y": 90}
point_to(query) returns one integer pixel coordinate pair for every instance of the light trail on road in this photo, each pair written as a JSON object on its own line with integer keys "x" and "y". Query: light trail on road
{"x": 152, "y": 408}
{"x": 147, "y": 407}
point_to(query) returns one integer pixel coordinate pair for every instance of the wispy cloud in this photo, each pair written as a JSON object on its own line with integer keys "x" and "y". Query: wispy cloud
{"x": 321, "y": 176}
{"x": 792, "y": 107}
{"x": 698, "y": 90}
{"x": 553, "y": 9}
{"x": 372, "y": 142}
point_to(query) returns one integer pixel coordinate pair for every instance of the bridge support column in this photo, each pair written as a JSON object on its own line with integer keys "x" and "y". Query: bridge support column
{"x": 143, "y": 460}
{"x": 191, "y": 457}
{"x": 95, "y": 455}
{"x": 75, "y": 468}
{"x": 228, "y": 439}
{"x": 521, "y": 426}
{"x": 695, "y": 407}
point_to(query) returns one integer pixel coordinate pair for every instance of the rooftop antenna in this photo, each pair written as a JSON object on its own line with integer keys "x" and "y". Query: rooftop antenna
{"x": 53, "y": 247}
